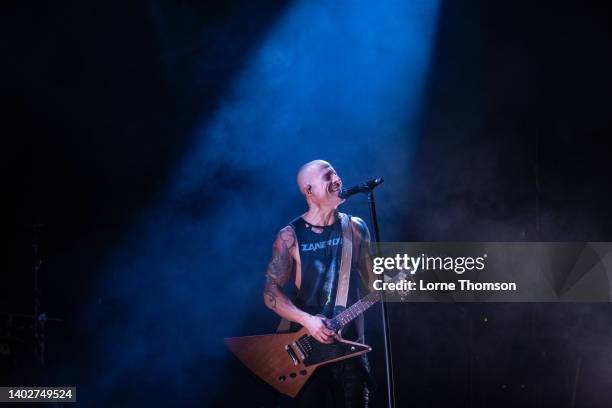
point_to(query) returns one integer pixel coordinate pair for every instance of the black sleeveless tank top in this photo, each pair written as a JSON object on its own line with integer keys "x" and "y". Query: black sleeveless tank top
{"x": 320, "y": 255}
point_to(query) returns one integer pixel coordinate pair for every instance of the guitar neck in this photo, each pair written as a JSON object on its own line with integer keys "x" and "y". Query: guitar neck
{"x": 355, "y": 310}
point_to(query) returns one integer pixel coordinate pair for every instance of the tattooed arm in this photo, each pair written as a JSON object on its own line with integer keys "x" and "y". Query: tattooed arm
{"x": 278, "y": 274}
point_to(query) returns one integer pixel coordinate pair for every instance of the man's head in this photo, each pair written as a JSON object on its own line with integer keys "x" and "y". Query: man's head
{"x": 320, "y": 184}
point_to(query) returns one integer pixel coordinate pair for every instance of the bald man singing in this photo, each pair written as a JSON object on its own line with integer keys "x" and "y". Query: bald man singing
{"x": 308, "y": 251}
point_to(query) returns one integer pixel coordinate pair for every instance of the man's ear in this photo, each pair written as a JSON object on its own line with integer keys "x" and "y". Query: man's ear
{"x": 308, "y": 189}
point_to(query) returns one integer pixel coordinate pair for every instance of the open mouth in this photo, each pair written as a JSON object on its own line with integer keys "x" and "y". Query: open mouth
{"x": 334, "y": 187}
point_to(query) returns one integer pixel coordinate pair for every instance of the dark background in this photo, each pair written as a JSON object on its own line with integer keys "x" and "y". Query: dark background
{"x": 100, "y": 109}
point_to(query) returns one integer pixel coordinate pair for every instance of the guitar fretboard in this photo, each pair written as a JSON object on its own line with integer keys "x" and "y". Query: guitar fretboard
{"x": 355, "y": 310}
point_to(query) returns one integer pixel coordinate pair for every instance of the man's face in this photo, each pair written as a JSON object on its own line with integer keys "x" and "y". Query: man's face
{"x": 325, "y": 186}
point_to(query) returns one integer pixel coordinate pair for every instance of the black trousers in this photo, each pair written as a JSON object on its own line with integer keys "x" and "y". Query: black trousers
{"x": 344, "y": 384}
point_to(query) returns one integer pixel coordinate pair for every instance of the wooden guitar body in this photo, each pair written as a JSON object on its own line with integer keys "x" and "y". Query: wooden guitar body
{"x": 287, "y": 360}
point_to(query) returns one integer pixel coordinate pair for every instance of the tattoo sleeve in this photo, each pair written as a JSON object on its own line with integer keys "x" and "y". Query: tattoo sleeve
{"x": 279, "y": 270}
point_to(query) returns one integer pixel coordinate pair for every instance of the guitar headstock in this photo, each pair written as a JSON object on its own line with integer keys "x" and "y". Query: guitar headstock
{"x": 402, "y": 275}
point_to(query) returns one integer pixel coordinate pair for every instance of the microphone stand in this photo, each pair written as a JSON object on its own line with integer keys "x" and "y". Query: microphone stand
{"x": 383, "y": 303}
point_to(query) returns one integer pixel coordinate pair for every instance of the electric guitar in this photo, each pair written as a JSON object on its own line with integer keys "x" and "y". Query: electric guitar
{"x": 287, "y": 360}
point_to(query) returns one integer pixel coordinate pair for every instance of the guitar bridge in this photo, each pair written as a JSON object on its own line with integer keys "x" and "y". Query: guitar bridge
{"x": 292, "y": 354}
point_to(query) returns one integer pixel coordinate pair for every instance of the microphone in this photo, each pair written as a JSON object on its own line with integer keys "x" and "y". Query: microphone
{"x": 366, "y": 187}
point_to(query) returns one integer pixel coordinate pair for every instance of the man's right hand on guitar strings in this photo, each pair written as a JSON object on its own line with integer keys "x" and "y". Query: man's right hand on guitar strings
{"x": 317, "y": 328}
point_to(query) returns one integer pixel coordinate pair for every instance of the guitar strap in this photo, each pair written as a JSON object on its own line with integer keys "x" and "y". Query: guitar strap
{"x": 345, "y": 267}
{"x": 345, "y": 261}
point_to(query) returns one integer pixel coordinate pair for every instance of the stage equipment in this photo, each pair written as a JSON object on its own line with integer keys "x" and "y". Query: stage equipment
{"x": 368, "y": 188}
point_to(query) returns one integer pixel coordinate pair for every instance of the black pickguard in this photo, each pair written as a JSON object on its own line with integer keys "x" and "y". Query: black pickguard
{"x": 320, "y": 352}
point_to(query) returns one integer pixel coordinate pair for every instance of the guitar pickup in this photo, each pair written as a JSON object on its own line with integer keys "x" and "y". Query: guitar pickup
{"x": 292, "y": 355}
{"x": 296, "y": 345}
